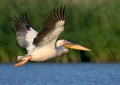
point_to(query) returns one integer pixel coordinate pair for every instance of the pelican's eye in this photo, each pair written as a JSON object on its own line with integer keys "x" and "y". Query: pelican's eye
{"x": 64, "y": 41}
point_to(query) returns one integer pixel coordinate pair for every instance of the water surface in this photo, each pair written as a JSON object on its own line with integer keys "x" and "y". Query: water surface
{"x": 60, "y": 74}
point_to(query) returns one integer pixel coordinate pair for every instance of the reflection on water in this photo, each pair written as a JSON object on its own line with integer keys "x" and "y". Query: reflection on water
{"x": 60, "y": 74}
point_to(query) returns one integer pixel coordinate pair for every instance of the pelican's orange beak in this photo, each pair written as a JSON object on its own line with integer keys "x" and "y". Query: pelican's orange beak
{"x": 75, "y": 46}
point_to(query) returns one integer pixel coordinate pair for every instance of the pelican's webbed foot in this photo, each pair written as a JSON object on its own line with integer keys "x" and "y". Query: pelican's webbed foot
{"x": 23, "y": 61}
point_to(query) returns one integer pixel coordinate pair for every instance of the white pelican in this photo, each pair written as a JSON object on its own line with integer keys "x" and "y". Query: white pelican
{"x": 43, "y": 46}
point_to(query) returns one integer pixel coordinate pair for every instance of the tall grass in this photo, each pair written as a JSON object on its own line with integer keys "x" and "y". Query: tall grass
{"x": 92, "y": 23}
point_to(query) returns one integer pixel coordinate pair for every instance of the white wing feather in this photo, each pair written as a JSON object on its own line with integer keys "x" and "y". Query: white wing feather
{"x": 31, "y": 34}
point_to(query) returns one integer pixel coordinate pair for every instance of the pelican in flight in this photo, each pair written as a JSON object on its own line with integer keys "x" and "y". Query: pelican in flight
{"x": 43, "y": 45}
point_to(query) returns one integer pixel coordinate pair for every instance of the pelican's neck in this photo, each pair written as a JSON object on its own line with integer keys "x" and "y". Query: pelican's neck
{"x": 61, "y": 50}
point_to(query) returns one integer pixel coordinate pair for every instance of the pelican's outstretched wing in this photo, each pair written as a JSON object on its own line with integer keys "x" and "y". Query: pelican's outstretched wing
{"x": 52, "y": 29}
{"x": 24, "y": 33}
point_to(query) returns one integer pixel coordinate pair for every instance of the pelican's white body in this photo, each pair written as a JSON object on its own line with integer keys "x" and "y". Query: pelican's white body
{"x": 43, "y": 53}
{"x": 49, "y": 50}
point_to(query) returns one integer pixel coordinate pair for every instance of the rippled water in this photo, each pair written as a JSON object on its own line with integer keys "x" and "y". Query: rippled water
{"x": 60, "y": 74}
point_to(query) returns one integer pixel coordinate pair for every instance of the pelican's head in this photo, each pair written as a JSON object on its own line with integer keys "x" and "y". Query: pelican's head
{"x": 71, "y": 45}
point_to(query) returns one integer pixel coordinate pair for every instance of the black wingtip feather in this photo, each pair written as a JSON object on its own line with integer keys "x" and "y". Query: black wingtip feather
{"x": 21, "y": 22}
{"x": 57, "y": 14}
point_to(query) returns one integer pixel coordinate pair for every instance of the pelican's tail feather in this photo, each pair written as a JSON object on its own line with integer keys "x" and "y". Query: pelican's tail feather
{"x": 20, "y": 58}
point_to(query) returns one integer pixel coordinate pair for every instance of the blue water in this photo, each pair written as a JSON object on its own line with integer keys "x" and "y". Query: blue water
{"x": 60, "y": 74}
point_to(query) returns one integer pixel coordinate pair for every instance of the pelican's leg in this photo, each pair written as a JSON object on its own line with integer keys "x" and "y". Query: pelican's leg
{"x": 24, "y": 60}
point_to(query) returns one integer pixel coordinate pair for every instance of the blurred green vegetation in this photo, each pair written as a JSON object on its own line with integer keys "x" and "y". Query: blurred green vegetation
{"x": 91, "y": 23}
